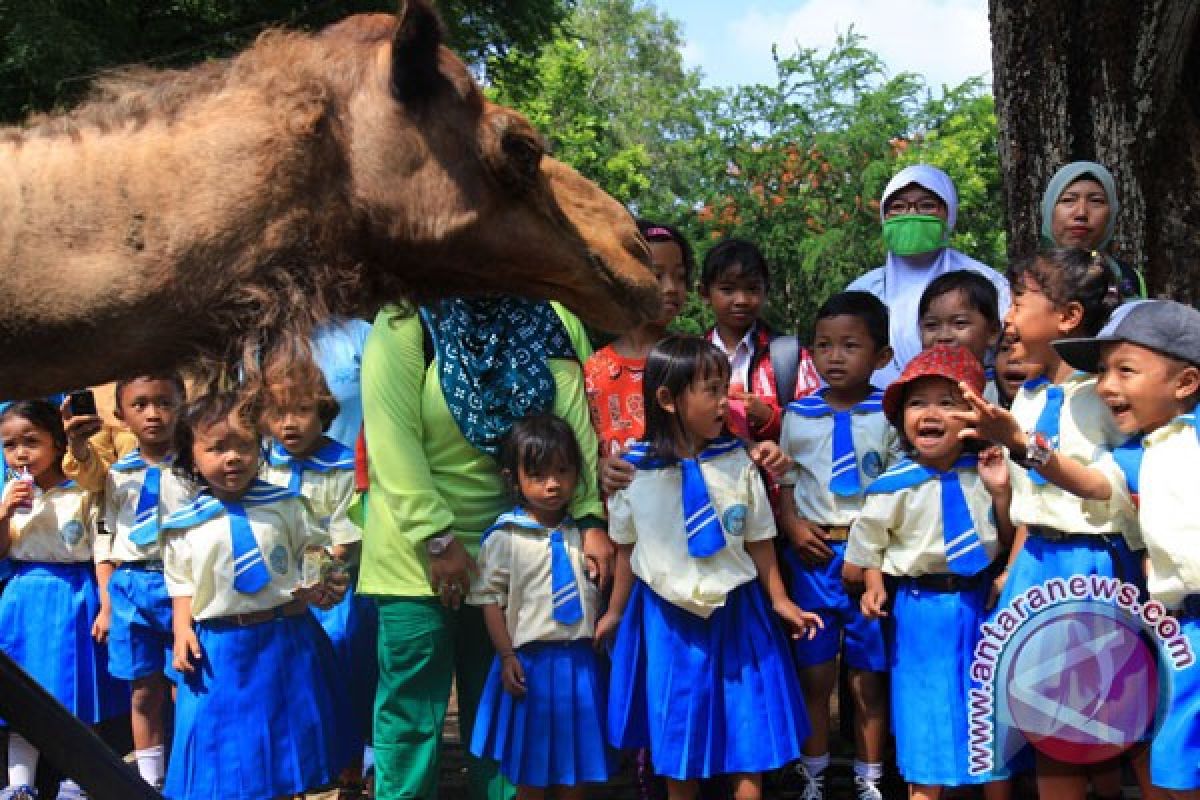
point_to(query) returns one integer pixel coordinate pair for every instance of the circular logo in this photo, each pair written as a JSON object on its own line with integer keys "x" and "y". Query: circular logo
{"x": 72, "y": 533}
{"x": 872, "y": 464}
{"x": 279, "y": 559}
{"x": 1080, "y": 682}
{"x": 734, "y": 520}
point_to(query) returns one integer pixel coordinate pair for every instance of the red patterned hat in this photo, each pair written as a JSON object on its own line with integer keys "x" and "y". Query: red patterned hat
{"x": 946, "y": 361}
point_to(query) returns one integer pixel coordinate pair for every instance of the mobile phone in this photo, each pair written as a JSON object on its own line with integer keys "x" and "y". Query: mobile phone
{"x": 82, "y": 403}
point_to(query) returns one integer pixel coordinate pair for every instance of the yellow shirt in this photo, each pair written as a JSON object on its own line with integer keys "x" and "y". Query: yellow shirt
{"x": 901, "y": 532}
{"x": 649, "y": 515}
{"x": 60, "y": 528}
{"x": 514, "y": 573}
{"x": 1169, "y": 512}
{"x": 1087, "y": 433}
{"x": 199, "y": 560}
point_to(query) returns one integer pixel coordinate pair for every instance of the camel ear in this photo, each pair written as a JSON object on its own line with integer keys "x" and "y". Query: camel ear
{"x": 415, "y": 52}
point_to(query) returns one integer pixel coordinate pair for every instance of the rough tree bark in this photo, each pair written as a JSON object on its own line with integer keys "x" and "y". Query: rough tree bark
{"x": 1114, "y": 81}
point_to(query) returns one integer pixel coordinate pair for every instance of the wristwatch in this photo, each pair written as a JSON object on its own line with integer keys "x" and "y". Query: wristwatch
{"x": 1038, "y": 449}
{"x": 438, "y": 545}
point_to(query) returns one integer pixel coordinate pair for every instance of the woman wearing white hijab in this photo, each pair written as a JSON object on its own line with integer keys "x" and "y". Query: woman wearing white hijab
{"x": 918, "y": 212}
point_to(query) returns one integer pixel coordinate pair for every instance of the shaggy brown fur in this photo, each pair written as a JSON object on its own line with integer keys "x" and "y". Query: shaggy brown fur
{"x": 221, "y": 211}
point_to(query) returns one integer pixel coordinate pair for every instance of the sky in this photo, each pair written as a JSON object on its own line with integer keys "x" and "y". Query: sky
{"x": 946, "y": 41}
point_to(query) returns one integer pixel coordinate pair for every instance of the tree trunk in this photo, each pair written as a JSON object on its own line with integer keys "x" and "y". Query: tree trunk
{"x": 1112, "y": 81}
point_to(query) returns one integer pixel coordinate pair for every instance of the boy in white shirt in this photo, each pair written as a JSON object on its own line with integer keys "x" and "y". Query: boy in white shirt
{"x": 1148, "y": 363}
{"x": 840, "y": 441}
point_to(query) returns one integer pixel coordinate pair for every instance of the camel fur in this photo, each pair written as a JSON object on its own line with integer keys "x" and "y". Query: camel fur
{"x": 223, "y": 210}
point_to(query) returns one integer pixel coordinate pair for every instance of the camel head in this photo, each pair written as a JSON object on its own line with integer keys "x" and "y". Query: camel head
{"x": 467, "y": 188}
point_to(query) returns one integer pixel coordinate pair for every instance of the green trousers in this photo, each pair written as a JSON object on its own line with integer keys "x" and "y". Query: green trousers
{"x": 422, "y": 647}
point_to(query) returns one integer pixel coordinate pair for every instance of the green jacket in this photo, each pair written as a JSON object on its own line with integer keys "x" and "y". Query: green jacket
{"x": 424, "y": 476}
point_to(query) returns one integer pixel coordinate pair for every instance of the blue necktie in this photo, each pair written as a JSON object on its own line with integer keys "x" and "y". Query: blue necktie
{"x": 567, "y": 606}
{"x": 250, "y": 573}
{"x": 965, "y": 553}
{"x": 1047, "y": 422}
{"x": 144, "y": 531}
{"x": 843, "y": 480}
{"x": 705, "y": 536}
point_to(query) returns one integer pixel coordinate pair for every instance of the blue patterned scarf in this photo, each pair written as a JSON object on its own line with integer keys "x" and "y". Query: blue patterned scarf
{"x": 492, "y": 355}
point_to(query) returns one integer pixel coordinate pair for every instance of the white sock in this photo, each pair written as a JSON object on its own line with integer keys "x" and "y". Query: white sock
{"x": 151, "y": 764}
{"x": 815, "y": 764}
{"x": 22, "y": 760}
{"x": 71, "y": 789}
{"x": 870, "y": 772}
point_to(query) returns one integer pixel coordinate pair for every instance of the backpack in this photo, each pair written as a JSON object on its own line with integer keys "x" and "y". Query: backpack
{"x": 784, "y": 351}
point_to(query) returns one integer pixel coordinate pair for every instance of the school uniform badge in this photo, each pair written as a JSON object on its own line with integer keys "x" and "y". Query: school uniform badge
{"x": 279, "y": 559}
{"x": 872, "y": 464}
{"x": 734, "y": 520}
{"x": 72, "y": 533}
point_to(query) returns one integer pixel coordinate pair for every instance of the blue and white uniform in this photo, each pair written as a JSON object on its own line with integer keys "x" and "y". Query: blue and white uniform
{"x": 862, "y": 444}
{"x": 51, "y": 601}
{"x": 257, "y": 718}
{"x": 554, "y": 735}
{"x": 911, "y": 528}
{"x": 701, "y": 669}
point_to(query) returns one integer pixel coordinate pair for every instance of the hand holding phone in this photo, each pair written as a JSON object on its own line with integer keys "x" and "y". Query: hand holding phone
{"x": 82, "y": 403}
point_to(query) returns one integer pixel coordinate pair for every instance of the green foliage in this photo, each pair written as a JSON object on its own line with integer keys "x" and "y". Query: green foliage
{"x": 803, "y": 162}
{"x": 50, "y": 49}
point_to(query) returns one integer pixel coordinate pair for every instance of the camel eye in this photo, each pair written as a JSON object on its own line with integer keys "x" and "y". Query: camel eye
{"x": 524, "y": 156}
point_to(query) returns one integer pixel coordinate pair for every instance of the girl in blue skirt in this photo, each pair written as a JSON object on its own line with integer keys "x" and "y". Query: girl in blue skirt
{"x": 48, "y": 528}
{"x": 257, "y": 707}
{"x": 934, "y": 523}
{"x": 701, "y": 669}
{"x": 1071, "y": 502}
{"x": 542, "y": 710}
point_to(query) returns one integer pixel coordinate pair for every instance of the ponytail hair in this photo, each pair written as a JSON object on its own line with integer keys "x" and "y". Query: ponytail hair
{"x": 1070, "y": 275}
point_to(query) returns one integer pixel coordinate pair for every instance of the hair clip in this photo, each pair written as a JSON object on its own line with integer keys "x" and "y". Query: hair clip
{"x": 660, "y": 232}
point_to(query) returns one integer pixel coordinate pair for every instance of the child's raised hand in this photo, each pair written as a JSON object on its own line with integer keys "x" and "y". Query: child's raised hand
{"x": 512, "y": 674}
{"x": 993, "y": 471}
{"x": 80, "y": 428}
{"x": 806, "y": 536}
{"x": 770, "y": 456}
{"x": 988, "y": 421}
{"x": 17, "y": 494}
{"x": 187, "y": 650}
{"x": 874, "y": 603}
{"x": 758, "y": 413}
{"x": 800, "y": 624}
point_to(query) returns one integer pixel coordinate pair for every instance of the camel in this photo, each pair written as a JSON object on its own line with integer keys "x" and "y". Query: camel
{"x": 223, "y": 210}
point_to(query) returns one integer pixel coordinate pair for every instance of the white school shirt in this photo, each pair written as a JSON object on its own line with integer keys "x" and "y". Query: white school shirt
{"x": 121, "y": 491}
{"x": 1087, "y": 433}
{"x": 649, "y": 515}
{"x": 901, "y": 532}
{"x": 739, "y": 359}
{"x": 198, "y": 561}
{"x": 514, "y": 573}
{"x": 60, "y": 528}
{"x": 809, "y": 442}
{"x": 1169, "y": 512}
{"x": 330, "y": 495}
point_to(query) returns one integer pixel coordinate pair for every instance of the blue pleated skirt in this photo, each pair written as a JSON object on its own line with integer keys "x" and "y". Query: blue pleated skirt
{"x": 931, "y": 642}
{"x": 257, "y": 718}
{"x": 46, "y": 616}
{"x": 708, "y": 697}
{"x": 554, "y": 735}
{"x": 353, "y": 629}
{"x": 1175, "y": 749}
{"x": 1041, "y": 559}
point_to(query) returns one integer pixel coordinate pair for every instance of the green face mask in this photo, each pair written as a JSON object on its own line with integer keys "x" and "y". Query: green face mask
{"x": 913, "y": 234}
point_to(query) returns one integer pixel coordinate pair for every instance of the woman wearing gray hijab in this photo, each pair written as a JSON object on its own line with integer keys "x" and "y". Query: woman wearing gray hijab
{"x": 1079, "y": 209}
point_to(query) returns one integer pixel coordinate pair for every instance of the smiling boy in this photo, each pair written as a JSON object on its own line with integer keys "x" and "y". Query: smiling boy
{"x": 1147, "y": 359}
